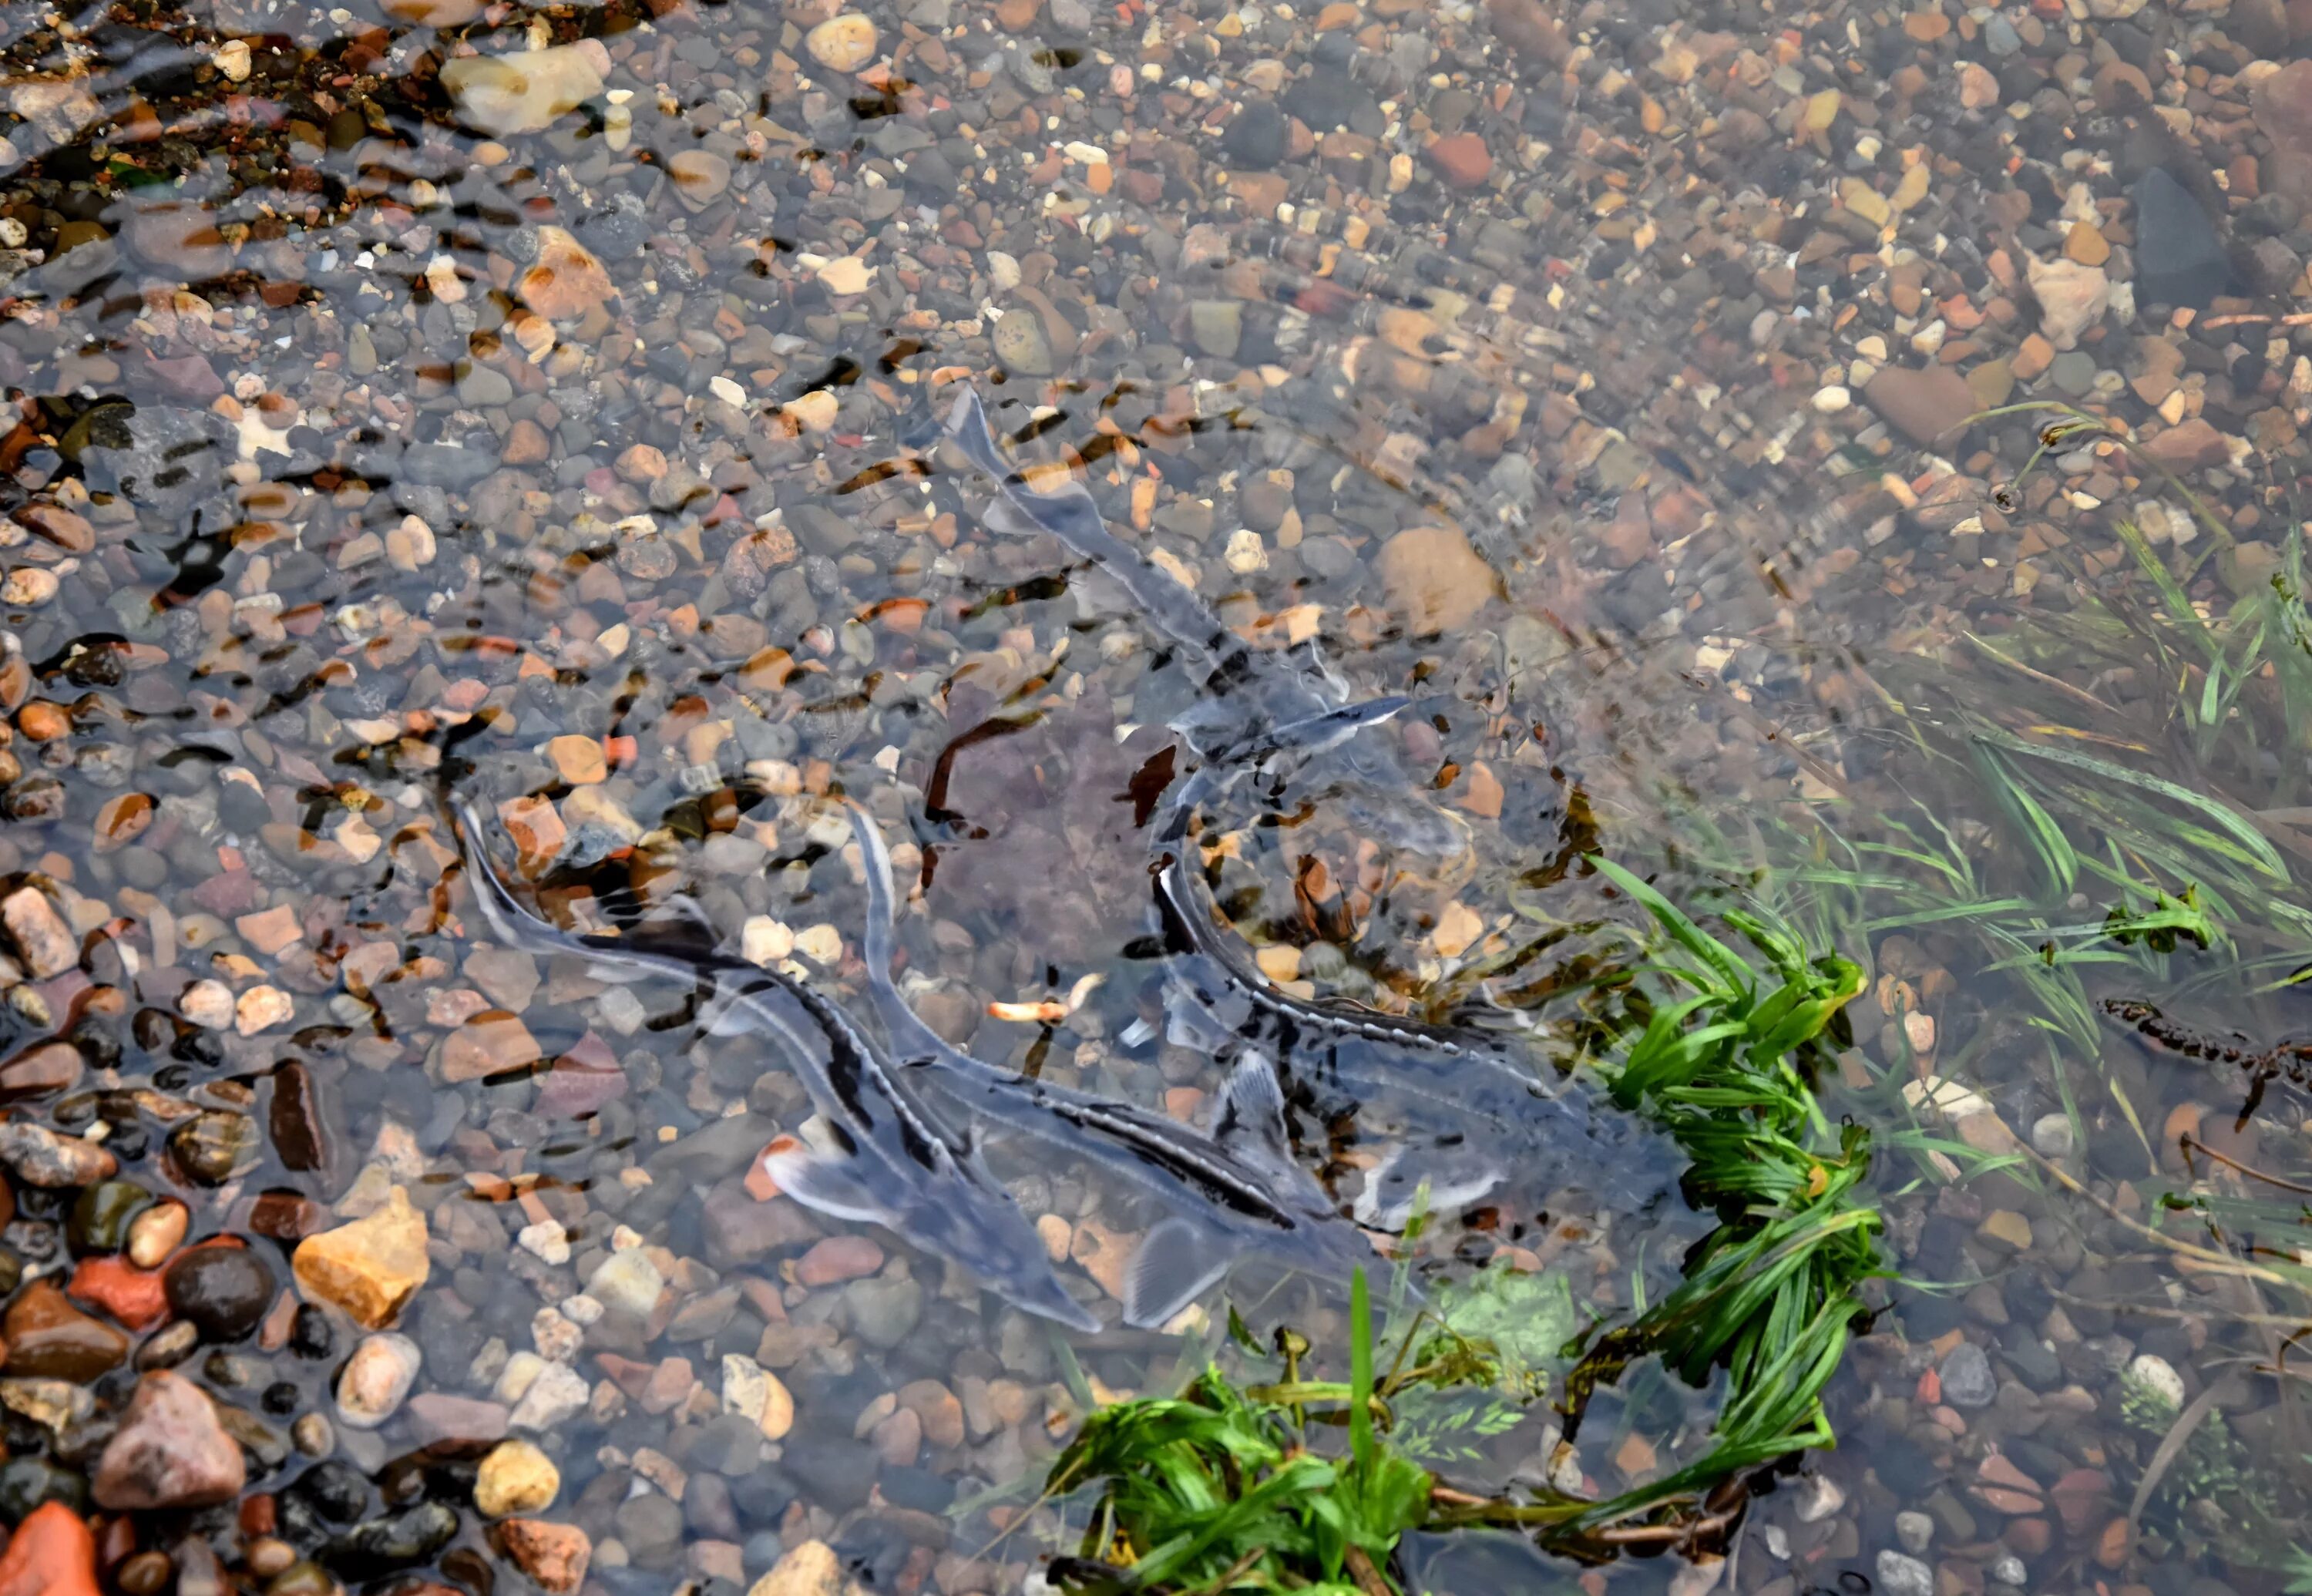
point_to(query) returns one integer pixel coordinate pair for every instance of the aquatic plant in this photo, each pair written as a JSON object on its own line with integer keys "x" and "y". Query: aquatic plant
{"x": 1228, "y": 1486}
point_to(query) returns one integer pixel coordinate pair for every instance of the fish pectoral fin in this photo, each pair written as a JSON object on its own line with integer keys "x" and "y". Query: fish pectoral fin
{"x": 824, "y": 1183}
{"x": 1440, "y": 1180}
{"x": 1250, "y": 1119}
{"x": 1175, "y": 1263}
{"x": 722, "y": 1014}
{"x": 1001, "y": 516}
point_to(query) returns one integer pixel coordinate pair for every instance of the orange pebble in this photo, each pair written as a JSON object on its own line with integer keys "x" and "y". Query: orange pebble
{"x": 51, "y": 1553}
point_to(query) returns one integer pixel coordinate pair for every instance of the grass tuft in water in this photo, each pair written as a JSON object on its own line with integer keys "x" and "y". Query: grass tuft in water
{"x": 1230, "y": 1487}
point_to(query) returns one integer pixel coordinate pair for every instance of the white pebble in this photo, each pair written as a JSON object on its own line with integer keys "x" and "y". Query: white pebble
{"x": 1832, "y": 400}
{"x": 1246, "y": 552}
{"x": 1818, "y": 1498}
{"x": 2051, "y": 1135}
{"x": 557, "y": 1393}
{"x": 2158, "y": 1376}
{"x": 546, "y": 1240}
{"x": 207, "y": 1005}
{"x": 376, "y": 1379}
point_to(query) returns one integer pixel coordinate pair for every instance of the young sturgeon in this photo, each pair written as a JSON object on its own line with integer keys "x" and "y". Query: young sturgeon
{"x": 1232, "y": 1194}
{"x": 891, "y": 1162}
{"x": 1247, "y": 691}
{"x": 1468, "y": 1116}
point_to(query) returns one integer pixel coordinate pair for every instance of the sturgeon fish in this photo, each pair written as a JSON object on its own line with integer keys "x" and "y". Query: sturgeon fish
{"x": 1466, "y": 1115}
{"x": 885, "y": 1159}
{"x": 1247, "y": 691}
{"x": 1232, "y": 1194}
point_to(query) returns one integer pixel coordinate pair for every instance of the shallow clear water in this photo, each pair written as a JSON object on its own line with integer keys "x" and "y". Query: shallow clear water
{"x": 513, "y": 398}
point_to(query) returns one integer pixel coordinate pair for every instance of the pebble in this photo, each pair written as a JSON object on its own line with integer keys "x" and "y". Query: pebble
{"x": 215, "y": 1145}
{"x": 526, "y": 92}
{"x": 758, "y": 1395}
{"x": 809, "y": 1569}
{"x": 1831, "y": 399}
{"x": 555, "y": 1394}
{"x": 28, "y": 587}
{"x": 2191, "y": 445}
{"x": 1915, "y": 1531}
{"x": 156, "y": 1233}
{"x": 1901, "y": 1575}
{"x": 2157, "y": 1376}
{"x": 564, "y": 282}
{"x": 628, "y": 1283}
{"x": 846, "y": 274}
{"x": 376, "y": 1379}
{"x": 1461, "y": 159}
{"x": 838, "y": 1258}
{"x": 2179, "y": 257}
{"x": 2072, "y": 298}
{"x": 49, "y": 1339}
{"x": 1966, "y": 1378}
{"x": 1819, "y": 1497}
{"x": 844, "y": 43}
{"x": 515, "y": 1478}
{"x": 700, "y": 177}
{"x": 1019, "y": 341}
{"x": 41, "y": 939}
{"x": 397, "y": 1540}
{"x": 38, "y": 1156}
{"x": 1927, "y": 405}
{"x": 169, "y": 1450}
{"x": 555, "y": 1555}
{"x": 884, "y": 1311}
{"x": 1435, "y": 581}
{"x": 370, "y": 1267}
{"x": 52, "y": 1553}
{"x": 221, "y": 1290}
{"x": 207, "y": 1005}
{"x": 2051, "y": 1136}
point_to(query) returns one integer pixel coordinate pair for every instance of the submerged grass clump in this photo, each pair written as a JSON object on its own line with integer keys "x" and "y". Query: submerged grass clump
{"x": 1228, "y": 1487}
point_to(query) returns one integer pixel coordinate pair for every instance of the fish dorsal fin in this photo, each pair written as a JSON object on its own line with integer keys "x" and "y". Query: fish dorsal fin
{"x": 1175, "y": 1263}
{"x": 1249, "y": 1122}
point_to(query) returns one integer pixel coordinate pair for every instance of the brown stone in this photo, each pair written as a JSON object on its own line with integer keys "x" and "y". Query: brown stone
{"x": 526, "y": 444}
{"x": 553, "y": 1555}
{"x": 2085, "y": 244}
{"x": 1435, "y": 581}
{"x": 1927, "y": 405}
{"x": 1527, "y": 27}
{"x": 2190, "y": 445}
{"x": 565, "y": 281}
{"x": 2120, "y": 86}
{"x": 134, "y": 1297}
{"x": 40, "y": 1069}
{"x": 492, "y": 1043}
{"x": 49, "y": 1339}
{"x": 838, "y": 1258}
{"x": 2282, "y": 103}
{"x": 1461, "y": 159}
{"x": 42, "y": 938}
{"x": 170, "y": 1450}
